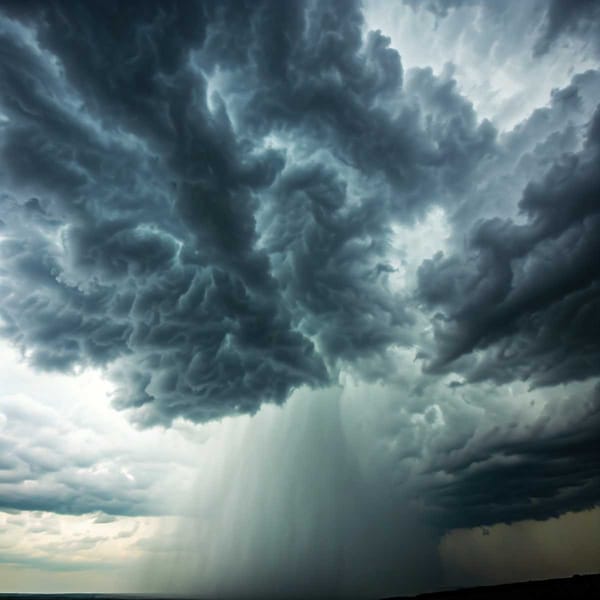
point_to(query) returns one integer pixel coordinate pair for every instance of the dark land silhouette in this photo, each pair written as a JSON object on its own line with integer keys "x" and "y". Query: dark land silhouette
{"x": 578, "y": 586}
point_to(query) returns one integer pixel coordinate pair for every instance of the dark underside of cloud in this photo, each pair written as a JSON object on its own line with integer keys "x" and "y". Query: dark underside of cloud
{"x": 201, "y": 197}
{"x": 151, "y": 227}
{"x": 527, "y": 296}
{"x": 533, "y": 471}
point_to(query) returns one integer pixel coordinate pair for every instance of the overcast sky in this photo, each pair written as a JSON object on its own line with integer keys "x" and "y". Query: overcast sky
{"x": 298, "y": 298}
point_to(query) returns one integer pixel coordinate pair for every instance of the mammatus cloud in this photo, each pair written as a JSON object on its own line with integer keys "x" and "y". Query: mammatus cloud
{"x": 211, "y": 201}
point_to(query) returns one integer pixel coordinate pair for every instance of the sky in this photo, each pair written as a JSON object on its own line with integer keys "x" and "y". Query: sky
{"x": 298, "y": 299}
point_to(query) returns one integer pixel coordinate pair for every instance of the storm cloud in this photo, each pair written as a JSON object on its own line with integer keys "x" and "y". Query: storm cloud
{"x": 212, "y": 271}
{"x": 525, "y": 295}
{"x": 216, "y": 204}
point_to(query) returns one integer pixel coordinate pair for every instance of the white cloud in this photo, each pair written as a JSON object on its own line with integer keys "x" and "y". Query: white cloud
{"x": 85, "y": 455}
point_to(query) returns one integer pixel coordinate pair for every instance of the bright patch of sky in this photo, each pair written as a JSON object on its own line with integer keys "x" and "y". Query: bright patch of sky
{"x": 490, "y": 50}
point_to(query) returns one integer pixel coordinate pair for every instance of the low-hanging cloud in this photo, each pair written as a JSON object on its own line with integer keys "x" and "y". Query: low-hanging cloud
{"x": 210, "y": 201}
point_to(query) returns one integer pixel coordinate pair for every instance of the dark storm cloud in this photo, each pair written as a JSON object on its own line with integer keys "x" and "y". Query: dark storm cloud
{"x": 132, "y": 198}
{"x": 519, "y": 300}
{"x": 578, "y": 18}
{"x": 155, "y": 202}
{"x": 201, "y": 197}
{"x": 328, "y": 262}
{"x": 526, "y": 296}
{"x": 519, "y": 471}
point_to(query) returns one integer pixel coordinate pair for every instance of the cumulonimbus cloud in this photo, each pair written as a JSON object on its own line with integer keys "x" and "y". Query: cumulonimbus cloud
{"x": 203, "y": 198}
{"x": 148, "y": 225}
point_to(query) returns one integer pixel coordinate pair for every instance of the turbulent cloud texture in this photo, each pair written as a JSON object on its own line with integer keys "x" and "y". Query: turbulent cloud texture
{"x": 218, "y": 249}
{"x": 213, "y": 202}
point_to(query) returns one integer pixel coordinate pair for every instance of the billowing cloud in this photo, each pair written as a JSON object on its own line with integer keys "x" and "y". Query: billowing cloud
{"x": 501, "y": 475}
{"x": 66, "y": 455}
{"x": 553, "y": 20}
{"x": 170, "y": 241}
{"x": 226, "y": 205}
{"x": 525, "y": 295}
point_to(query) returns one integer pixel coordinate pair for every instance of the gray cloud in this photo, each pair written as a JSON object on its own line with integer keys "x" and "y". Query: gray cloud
{"x": 203, "y": 198}
{"x": 67, "y": 468}
{"x": 555, "y": 20}
{"x": 185, "y": 275}
{"x": 518, "y": 470}
{"x": 502, "y": 300}
{"x": 146, "y": 252}
{"x": 104, "y": 518}
{"x": 580, "y": 18}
